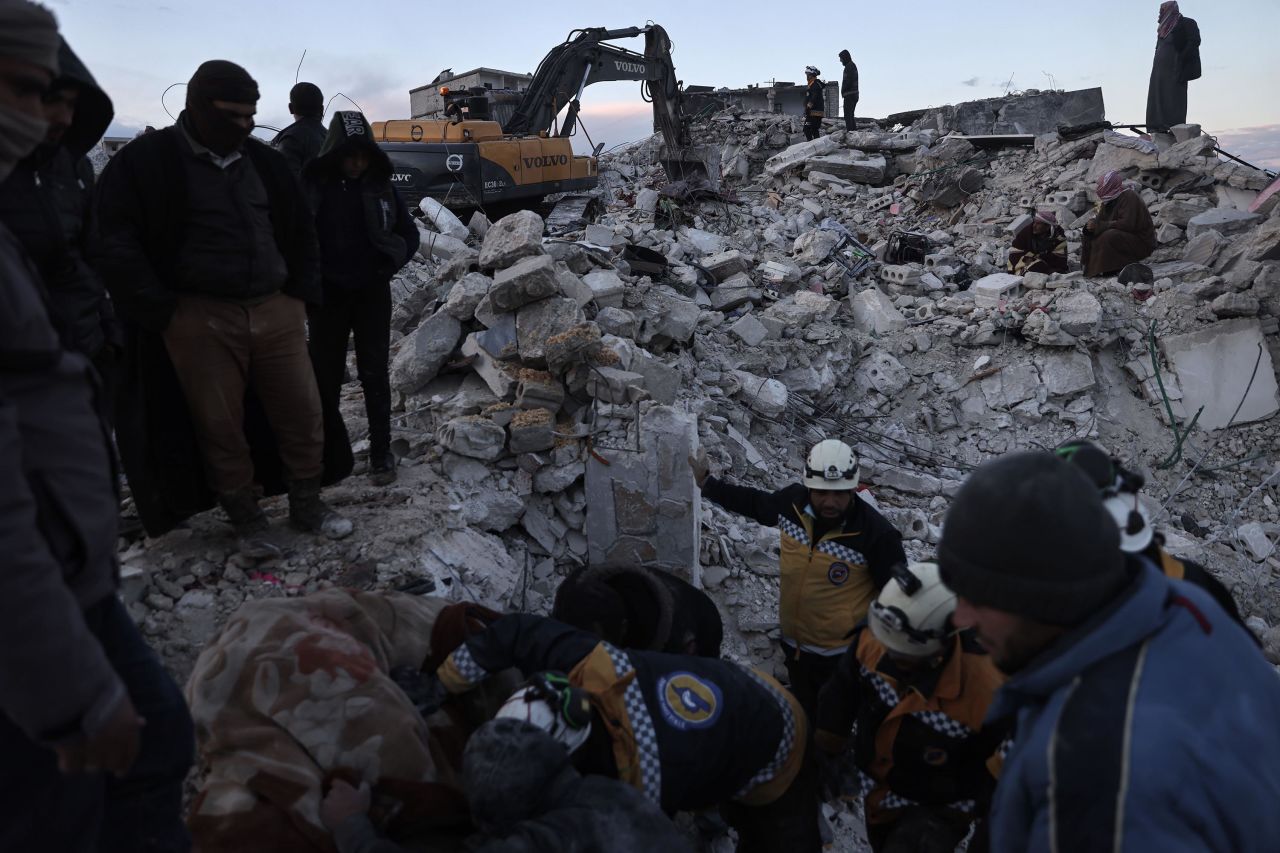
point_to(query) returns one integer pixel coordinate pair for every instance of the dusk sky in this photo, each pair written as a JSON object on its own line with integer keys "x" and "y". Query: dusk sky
{"x": 910, "y": 54}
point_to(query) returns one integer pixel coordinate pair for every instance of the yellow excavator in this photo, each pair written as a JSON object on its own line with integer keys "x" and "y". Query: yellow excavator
{"x": 468, "y": 161}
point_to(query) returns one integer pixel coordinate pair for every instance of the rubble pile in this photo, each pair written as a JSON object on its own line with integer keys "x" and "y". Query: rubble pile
{"x": 552, "y": 386}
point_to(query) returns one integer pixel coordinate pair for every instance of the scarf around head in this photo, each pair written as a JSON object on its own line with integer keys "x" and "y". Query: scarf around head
{"x": 29, "y": 33}
{"x": 1110, "y": 186}
{"x": 1169, "y": 17}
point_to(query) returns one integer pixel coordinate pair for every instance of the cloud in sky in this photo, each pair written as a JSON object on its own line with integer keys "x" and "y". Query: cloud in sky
{"x": 971, "y": 82}
{"x": 1258, "y": 145}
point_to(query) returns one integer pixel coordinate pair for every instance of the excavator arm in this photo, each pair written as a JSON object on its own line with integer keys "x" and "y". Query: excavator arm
{"x": 586, "y": 58}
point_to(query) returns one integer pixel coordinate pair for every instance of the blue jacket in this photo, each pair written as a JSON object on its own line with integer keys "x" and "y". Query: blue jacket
{"x": 1155, "y": 726}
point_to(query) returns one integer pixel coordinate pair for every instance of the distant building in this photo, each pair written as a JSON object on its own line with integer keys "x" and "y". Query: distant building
{"x": 425, "y": 102}
{"x": 112, "y": 144}
{"x": 771, "y": 97}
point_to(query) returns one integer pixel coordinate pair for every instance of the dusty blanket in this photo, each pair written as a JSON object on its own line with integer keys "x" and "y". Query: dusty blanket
{"x": 295, "y": 691}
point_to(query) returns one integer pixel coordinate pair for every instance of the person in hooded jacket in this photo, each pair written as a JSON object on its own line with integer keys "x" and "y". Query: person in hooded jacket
{"x": 95, "y": 739}
{"x": 301, "y": 141}
{"x": 525, "y": 796}
{"x": 366, "y": 235}
{"x": 45, "y": 203}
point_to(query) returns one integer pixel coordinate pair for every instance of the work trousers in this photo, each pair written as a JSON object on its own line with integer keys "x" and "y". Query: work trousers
{"x": 219, "y": 350}
{"x": 366, "y": 313}
{"x": 850, "y": 107}
{"x": 812, "y": 127}
{"x": 808, "y": 673}
{"x": 96, "y": 812}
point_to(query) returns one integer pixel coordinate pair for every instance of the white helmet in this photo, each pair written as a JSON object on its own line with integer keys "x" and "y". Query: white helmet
{"x": 910, "y": 615}
{"x": 831, "y": 466}
{"x": 811, "y": 71}
{"x": 1133, "y": 520}
{"x": 551, "y": 703}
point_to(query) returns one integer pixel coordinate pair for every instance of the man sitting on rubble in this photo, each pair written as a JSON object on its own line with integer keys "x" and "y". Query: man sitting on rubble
{"x": 523, "y": 792}
{"x": 689, "y": 732}
{"x": 917, "y": 692}
{"x": 636, "y": 607}
{"x": 1121, "y": 233}
{"x": 837, "y": 552}
{"x": 1039, "y": 247}
{"x": 1119, "y": 488}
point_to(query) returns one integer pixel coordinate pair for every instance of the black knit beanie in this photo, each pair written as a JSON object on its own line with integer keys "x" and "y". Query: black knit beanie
{"x": 1027, "y": 534}
{"x": 306, "y": 99}
{"x": 220, "y": 80}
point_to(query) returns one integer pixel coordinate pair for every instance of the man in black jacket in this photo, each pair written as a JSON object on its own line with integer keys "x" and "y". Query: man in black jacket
{"x": 206, "y": 243}
{"x": 301, "y": 141}
{"x": 849, "y": 88}
{"x": 837, "y": 552}
{"x": 366, "y": 235}
{"x": 815, "y": 103}
{"x": 95, "y": 739}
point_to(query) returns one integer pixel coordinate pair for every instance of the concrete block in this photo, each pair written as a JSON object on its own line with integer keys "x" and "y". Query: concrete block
{"x": 1177, "y": 211}
{"x": 1183, "y": 132}
{"x": 420, "y": 356}
{"x": 724, "y": 265}
{"x": 1203, "y": 248}
{"x": 669, "y": 318}
{"x": 801, "y": 308}
{"x": 735, "y": 292}
{"x": 1169, "y": 233}
{"x": 939, "y": 259}
{"x": 607, "y": 288}
{"x": 1152, "y": 180}
{"x": 473, "y": 436}
{"x": 442, "y": 219}
{"x": 813, "y": 247}
{"x": 750, "y": 330}
{"x": 903, "y": 275}
{"x": 528, "y": 280}
{"x": 1224, "y": 220}
{"x": 1235, "y": 305}
{"x": 1213, "y": 366}
{"x": 571, "y": 347}
{"x": 764, "y": 396}
{"x": 1015, "y": 383}
{"x": 512, "y": 238}
{"x": 661, "y": 380}
{"x": 434, "y": 245}
{"x": 647, "y": 200}
{"x": 617, "y": 321}
{"x": 874, "y": 312}
{"x": 703, "y": 242}
{"x": 1019, "y": 222}
{"x": 479, "y": 224}
{"x": 645, "y": 507}
{"x": 884, "y": 373}
{"x": 611, "y": 385}
{"x": 881, "y": 203}
{"x": 465, "y": 296}
{"x": 498, "y": 375}
{"x": 531, "y": 432}
{"x": 539, "y": 321}
{"x": 603, "y": 236}
{"x": 539, "y": 390}
{"x": 573, "y": 287}
{"x": 990, "y": 291}
{"x": 780, "y": 272}
{"x": 851, "y": 165}
{"x": 796, "y": 155}
{"x": 1078, "y": 313}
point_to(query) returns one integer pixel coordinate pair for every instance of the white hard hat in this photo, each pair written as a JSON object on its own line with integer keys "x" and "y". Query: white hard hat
{"x": 811, "y": 71}
{"x": 549, "y": 702}
{"x": 831, "y": 466}
{"x": 1133, "y": 520}
{"x": 910, "y": 615}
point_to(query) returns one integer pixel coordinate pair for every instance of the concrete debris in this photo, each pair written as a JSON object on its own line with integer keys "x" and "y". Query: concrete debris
{"x": 1215, "y": 366}
{"x": 420, "y": 356}
{"x": 512, "y": 238}
{"x": 529, "y": 280}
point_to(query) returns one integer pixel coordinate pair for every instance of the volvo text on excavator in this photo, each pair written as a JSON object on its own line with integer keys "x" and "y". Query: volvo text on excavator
{"x": 468, "y": 161}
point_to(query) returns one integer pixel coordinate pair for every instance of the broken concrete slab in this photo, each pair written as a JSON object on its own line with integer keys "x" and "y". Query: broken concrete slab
{"x": 466, "y": 294}
{"x": 498, "y": 375}
{"x": 531, "y": 431}
{"x": 766, "y": 396}
{"x": 1213, "y": 366}
{"x": 420, "y": 356}
{"x": 735, "y": 292}
{"x": 442, "y": 219}
{"x": 1235, "y": 305}
{"x": 1067, "y": 373}
{"x": 874, "y": 312}
{"x": 643, "y": 507}
{"x": 670, "y": 318}
{"x": 661, "y": 380}
{"x": 617, "y": 321}
{"x": 528, "y": 280}
{"x": 750, "y": 330}
{"x": 884, "y": 373}
{"x": 611, "y": 385}
{"x": 511, "y": 238}
{"x": 796, "y": 155}
{"x": 1078, "y": 313}
{"x": 852, "y": 166}
{"x": 1013, "y": 384}
{"x": 802, "y": 308}
{"x": 725, "y": 265}
{"x": 815, "y": 246}
{"x": 1225, "y": 220}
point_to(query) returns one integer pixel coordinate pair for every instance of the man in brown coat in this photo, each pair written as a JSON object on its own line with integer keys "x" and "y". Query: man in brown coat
{"x": 1121, "y": 234}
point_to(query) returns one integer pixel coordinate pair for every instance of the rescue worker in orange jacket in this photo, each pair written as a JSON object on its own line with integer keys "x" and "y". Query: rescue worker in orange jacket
{"x": 689, "y": 732}
{"x": 837, "y": 552}
{"x": 918, "y": 692}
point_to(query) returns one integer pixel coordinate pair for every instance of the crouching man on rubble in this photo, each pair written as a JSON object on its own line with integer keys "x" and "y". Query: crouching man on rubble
{"x": 689, "y": 733}
{"x": 914, "y": 692}
{"x": 837, "y": 552}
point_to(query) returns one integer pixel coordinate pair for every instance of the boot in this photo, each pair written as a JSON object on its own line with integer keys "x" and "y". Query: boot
{"x": 307, "y": 512}
{"x": 249, "y": 523}
{"x": 382, "y": 467}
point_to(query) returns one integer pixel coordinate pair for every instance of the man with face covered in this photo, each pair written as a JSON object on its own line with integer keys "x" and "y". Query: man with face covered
{"x": 837, "y": 552}
{"x": 209, "y": 250}
{"x": 95, "y": 739}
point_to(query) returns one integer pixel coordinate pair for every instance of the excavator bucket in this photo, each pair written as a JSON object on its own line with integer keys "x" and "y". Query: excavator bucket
{"x": 691, "y": 163}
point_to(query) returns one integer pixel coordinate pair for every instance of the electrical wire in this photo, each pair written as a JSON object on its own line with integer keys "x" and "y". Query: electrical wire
{"x": 298, "y": 72}
{"x": 165, "y": 92}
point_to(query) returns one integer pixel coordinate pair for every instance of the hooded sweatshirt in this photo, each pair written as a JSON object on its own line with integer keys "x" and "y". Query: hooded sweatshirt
{"x": 366, "y": 234}
{"x": 45, "y": 203}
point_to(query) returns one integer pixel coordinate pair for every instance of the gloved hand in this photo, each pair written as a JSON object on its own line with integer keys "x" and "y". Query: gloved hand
{"x": 701, "y": 467}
